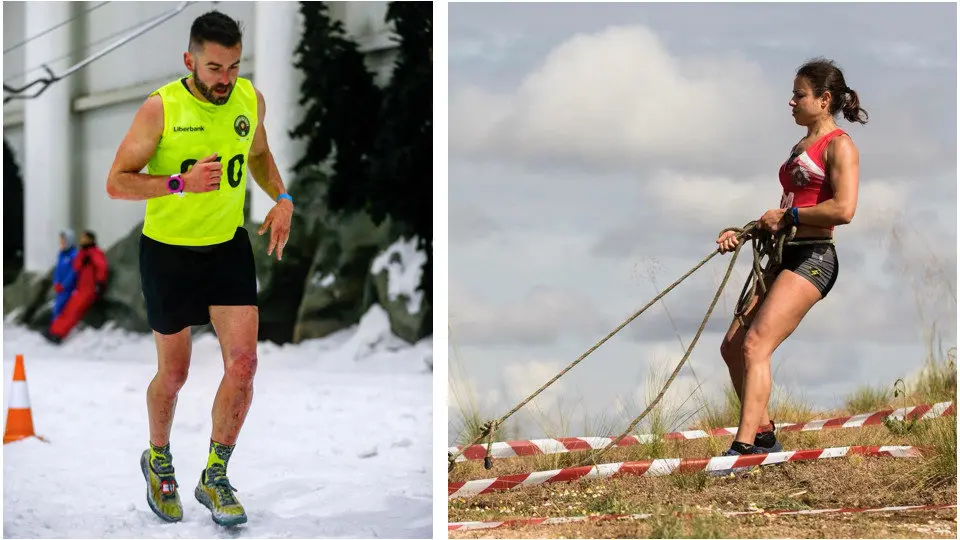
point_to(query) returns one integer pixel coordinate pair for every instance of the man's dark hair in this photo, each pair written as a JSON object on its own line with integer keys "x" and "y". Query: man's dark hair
{"x": 93, "y": 237}
{"x": 216, "y": 27}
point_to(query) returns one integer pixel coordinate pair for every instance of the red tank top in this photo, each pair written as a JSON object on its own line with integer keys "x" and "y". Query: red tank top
{"x": 803, "y": 175}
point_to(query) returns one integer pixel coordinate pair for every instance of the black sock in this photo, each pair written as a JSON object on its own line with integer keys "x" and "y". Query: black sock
{"x": 766, "y": 439}
{"x": 741, "y": 448}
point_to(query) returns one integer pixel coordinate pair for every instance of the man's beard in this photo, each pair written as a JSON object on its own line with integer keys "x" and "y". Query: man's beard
{"x": 207, "y": 92}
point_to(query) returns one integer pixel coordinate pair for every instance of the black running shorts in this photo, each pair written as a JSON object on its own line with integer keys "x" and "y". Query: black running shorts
{"x": 180, "y": 283}
{"x": 817, "y": 263}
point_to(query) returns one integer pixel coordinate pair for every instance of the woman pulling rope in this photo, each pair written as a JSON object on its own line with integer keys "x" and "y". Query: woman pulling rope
{"x": 820, "y": 183}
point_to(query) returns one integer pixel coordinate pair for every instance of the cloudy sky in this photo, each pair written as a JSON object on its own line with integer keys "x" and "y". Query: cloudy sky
{"x": 596, "y": 151}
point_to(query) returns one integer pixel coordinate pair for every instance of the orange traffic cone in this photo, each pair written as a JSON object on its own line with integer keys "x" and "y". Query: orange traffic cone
{"x": 19, "y": 419}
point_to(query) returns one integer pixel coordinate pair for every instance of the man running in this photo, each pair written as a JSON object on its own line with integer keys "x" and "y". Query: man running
{"x": 195, "y": 136}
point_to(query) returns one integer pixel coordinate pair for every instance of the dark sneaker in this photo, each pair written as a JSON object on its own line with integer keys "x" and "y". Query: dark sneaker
{"x": 738, "y": 470}
{"x": 215, "y": 492}
{"x": 162, "y": 494}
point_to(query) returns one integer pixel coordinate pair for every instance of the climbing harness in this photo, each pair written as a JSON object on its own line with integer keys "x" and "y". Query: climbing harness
{"x": 764, "y": 244}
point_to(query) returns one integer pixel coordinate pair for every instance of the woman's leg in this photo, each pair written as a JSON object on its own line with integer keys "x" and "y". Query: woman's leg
{"x": 731, "y": 350}
{"x": 788, "y": 301}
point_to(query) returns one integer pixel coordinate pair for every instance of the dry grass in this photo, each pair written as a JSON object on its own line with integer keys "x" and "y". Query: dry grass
{"x": 784, "y": 407}
{"x": 793, "y": 486}
{"x": 830, "y": 483}
{"x": 470, "y": 419}
{"x": 867, "y": 482}
{"x": 940, "y": 469}
{"x": 697, "y": 448}
{"x": 868, "y": 399}
{"x": 936, "y": 382}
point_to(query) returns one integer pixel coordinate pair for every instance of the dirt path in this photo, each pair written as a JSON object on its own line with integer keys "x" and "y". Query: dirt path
{"x": 936, "y": 524}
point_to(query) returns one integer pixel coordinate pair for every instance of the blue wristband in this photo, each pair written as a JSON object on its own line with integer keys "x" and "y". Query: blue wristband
{"x": 794, "y": 213}
{"x": 284, "y": 196}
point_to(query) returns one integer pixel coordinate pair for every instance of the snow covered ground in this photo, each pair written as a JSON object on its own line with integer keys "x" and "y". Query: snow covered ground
{"x": 336, "y": 444}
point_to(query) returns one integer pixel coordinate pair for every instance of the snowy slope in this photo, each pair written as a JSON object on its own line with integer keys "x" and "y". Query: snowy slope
{"x": 336, "y": 444}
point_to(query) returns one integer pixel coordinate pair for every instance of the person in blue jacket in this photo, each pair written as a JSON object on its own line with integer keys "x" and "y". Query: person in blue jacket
{"x": 64, "y": 277}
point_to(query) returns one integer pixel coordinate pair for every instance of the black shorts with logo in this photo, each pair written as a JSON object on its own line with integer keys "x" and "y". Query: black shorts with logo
{"x": 180, "y": 283}
{"x": 817, "y": 263}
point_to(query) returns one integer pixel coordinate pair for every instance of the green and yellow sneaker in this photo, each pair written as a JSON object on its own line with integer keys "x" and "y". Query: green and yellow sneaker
{"x": 215, "y": 492}
{"x": 162, "y": 494}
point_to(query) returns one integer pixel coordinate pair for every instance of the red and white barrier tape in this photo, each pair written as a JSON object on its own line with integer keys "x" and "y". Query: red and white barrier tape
{"x": 472, "y": 525}
{"x": 509, "y": 449}
{"x": 662, "y": 467}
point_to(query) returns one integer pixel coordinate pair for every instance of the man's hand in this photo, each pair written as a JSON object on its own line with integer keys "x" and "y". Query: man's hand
{"x": 204, "y": 176}
{"x": 773, "y": 219}
{"x": 278, "y": 221}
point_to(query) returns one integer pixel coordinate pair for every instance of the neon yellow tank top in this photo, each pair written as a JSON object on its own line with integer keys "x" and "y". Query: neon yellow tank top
{"x": 192, "y": 130}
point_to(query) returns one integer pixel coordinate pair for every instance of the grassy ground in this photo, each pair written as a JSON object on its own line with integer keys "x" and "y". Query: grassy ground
{"x": 831, "y": 483}
{"x": 843, "y": 482}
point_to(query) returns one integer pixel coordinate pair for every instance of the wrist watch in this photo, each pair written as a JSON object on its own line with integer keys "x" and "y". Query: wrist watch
{"x": 175, "y": 184}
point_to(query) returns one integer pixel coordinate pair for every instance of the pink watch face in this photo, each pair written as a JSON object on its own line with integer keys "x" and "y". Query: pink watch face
{"x": 175, "y": 184}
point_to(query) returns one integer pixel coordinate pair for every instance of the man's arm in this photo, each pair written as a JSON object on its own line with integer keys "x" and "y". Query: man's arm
{"x": 260, "y": 160}
{"x": 264, "y": 170}
{"x": 125, "y": 181}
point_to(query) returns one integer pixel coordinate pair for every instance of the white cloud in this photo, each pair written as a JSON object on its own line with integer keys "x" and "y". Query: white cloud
{"x": 523, "y": 379}
{"x": 686, "y": 393}
{"x": 562, "y": 409}
{"x": 614, "y": 96}
{"x": 906, "y": 54}
{"x": 542, "y": 316}
{"x": 677, "y": 194}
{"x": 466, "y": 395}
{"x": 687, "y": 210}
{"x": 479, "y": 44}
{"x": 682, "y": 195}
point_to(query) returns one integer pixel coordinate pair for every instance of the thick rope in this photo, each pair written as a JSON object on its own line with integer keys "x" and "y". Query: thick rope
{"x": 742, "y": 307}
{"x": 490, "y": 427}
{"x": 765, "y": 244}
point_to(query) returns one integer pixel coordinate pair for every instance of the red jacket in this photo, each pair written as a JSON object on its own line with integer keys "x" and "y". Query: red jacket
{"x": 90, "y": 265}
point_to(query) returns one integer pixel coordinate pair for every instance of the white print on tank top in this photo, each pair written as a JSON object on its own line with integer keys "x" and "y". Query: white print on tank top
{"x": 804, "y": 171}
{"x": 799, "y": 176}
